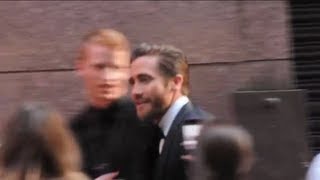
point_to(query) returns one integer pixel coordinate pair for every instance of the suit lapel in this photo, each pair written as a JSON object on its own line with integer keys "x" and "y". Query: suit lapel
{"x": 174, "y": 138}
{"x": 171, "y": 139}
{"x": 172, "y": 134}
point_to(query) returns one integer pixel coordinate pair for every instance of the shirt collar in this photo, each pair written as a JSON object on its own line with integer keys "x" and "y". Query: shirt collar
{"x": 170, "y": 115}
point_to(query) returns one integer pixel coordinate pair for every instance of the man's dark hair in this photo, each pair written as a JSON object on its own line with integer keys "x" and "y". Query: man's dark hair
{"x": 172, "y": 61}
{"x": 226, "y": 151}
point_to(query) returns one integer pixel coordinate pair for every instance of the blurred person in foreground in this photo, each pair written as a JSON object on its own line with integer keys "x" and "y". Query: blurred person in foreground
{"x": 313, "y": 172}
{"x": 108, "y": 128}
{"x": 159, "y": 80}
{"x": 37, "y": 145}
{"x": 225, "y": 152}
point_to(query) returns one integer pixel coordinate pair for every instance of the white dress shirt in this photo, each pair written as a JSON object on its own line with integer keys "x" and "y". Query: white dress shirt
{"x": 168, "y": 118}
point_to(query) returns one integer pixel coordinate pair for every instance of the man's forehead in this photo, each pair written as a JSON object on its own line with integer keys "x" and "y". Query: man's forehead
{"x": 99, "y": 53}
{"x": 146, "y": 61}
{"x": 145, "y": 66}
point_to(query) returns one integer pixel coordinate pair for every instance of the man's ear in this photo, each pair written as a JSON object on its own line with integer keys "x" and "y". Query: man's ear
{"x": 177, "y": 82}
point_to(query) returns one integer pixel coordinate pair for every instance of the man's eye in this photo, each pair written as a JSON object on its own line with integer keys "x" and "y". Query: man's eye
{"x": 99, "y": 66}
{"x": 145, "y": 79}
{"x": 116, "y": 67}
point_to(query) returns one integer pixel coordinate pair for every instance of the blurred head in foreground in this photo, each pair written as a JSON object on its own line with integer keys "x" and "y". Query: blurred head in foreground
{"x": 37, "y": 145}
{"x": 225, "y": 152}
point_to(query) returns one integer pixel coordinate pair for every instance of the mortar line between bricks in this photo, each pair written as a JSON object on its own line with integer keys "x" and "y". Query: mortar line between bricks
{"x": 37, "y": 70}
{"x": 191, "y": 64}
{"x": 239, "y": 62}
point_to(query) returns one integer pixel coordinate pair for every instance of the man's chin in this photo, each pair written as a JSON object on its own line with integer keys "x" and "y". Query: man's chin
{"x": 104, "y": 101}
{"x": 149, "y": 117}
{"x": 143, "y": 117}
{"x": 110, "y": 97}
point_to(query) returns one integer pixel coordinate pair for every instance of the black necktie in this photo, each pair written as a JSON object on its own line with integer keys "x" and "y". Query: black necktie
{"x": 157, "y": 170}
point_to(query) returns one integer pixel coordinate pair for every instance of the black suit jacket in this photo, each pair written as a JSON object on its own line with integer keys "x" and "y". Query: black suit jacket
{"x": 169, "y": 165}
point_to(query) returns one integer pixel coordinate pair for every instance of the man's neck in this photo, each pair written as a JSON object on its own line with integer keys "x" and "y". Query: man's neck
{"x": 175, "y": 97}
{"x": 171, "y": 113}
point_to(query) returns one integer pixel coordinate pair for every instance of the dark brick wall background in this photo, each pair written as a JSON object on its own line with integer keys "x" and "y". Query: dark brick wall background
{"x": 229, "y": 44}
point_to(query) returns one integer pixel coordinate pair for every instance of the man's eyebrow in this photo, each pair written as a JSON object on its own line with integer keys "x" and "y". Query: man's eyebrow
{"x": 143, "y": 75}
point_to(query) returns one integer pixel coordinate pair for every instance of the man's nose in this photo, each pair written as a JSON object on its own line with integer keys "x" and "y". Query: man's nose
{"x": 136, "y": 91}
{"x": 109, "y": 75}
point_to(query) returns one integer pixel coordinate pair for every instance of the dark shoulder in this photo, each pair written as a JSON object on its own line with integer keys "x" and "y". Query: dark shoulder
{"x": 126, "y": 112}
{"x": 204, "y": 114}
{"x": 80, "y": 117}
{"x": 126, "y": 104}
{"x": 195, "y": 112}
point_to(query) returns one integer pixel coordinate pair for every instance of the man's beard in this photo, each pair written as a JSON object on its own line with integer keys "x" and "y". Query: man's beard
{"x": 158, "y": 109}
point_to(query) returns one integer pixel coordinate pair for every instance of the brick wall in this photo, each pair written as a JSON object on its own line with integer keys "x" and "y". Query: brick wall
{"x": 229, "y": 44}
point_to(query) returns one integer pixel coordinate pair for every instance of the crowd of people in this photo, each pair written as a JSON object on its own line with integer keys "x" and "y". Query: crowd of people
{"x": 133, "y": 126}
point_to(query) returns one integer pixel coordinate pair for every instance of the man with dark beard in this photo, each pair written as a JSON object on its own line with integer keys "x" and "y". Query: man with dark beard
{"x": 159, "y": 80}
